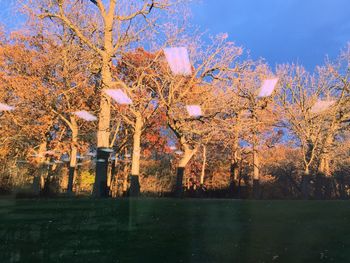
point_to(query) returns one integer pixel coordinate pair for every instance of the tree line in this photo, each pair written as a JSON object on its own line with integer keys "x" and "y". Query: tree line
{"x": 293, "y": 143}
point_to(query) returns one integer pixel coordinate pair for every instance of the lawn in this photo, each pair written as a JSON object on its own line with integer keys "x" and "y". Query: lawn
{"x": 170, "y": 230}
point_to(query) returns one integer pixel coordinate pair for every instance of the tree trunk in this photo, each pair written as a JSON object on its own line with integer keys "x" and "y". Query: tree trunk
{"x": 136, "y": 154}
{"x": 39, "y": 178}
{"x": 187, "y": 155}
{"x": 113, "y": 170}
{"x": 324, "y": 166}
{"x": 71, "y": 176}
{"x": 204, "y": 164}
{"x": 325, "y": 172}
{"x": 180, "y": 172}
{"x": 329, "y": 187}
{"x": 125, "y": 173}
{"x": 113, "y": 179}
{"x": 305, "y": 184}
{"x": 125, "y": 179}
{"x": 50, "y": 182}
{"x": 319, "y": 186}
{"x": 256, "y": 163}
{"x": 256, "y": 173}
{"x": 109, "y": 176}
{"x": 100, "y": 186}
{"x": 103, "y": 133}
{"x": 234, "y": 168}
{"x": 342, "y": 188}
{"x": 73, "y": 156}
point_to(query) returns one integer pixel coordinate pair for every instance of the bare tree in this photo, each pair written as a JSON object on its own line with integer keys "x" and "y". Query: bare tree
{"x": 211, "y": 65}
{"x": 313, "y": 123}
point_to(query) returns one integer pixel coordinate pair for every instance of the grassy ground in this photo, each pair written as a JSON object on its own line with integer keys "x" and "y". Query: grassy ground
{"x": 168, "y": 230}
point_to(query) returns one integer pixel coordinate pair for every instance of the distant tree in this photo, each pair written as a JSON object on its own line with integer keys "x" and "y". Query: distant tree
{"x": 314, "y": 125}
{"x": 139, "y": 71}
{"x": 211, "y": 64}
{"x": 253, "y": 116}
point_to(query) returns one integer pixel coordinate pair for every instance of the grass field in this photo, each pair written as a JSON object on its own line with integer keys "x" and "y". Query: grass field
{"x": 169, "y": 230}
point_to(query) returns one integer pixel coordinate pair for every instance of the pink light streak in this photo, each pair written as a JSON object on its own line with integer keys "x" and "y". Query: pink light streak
{"x": 194, "y": 110}
{"x": 119, "y": 96}
{"x": 85, "y": 115}
{"x": 321, "y": 106}
{"x": 268, "y": 87}
{"x": 178, "y": 60}
{"x": 5, "y": 107}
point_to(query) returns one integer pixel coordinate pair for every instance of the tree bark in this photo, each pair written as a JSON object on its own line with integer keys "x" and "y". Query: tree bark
{"x": 234, "y": 167}
{"x": 73, "y": 156}
{"x": 319, "y": 186}
{"x": 100, "y": 186}
{"x": 187, "y": 155}
{"x": 71, "y": 178}
{"x": 103, "y": 133}
{"x": 125, "y": 179}
{"x": 325, "y": 173}
{"x": 204, "y": 164}
{"x": 305, "y": 184}
{"x": 125, "y": 173}
{"x": 136, "y": 154}
{"x": 180, "y": 172}
{"x": 329, "y": 187}
{"x": 256, "y": 173}
{"x": 39, "y": 178}
{"x": 342, "y": 188}
{"x": 308, "y": 159}
{"x": 113, "y": 178}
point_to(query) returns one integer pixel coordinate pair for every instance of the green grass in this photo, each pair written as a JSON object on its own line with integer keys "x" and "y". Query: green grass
{"x": 169, "y": 230}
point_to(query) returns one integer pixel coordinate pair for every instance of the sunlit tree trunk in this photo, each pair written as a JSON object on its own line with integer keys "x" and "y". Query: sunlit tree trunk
{"x": 306, "y": 177}
{"x": 324, "y": 164}
{"x": 204, "y": 164}
{"x": 73, "y": 155}
{"x": 39, "y": 179}
{"x": 125, "y": 179}
{"x": 125, "y": 171}
{"x": 256, "y": 161}
{"x": 256, "y": 173}
{"x": 103, "y": 133}
{"x": 324, "y": 169}
{"x": 234, "y": 168}
{"x": 329, "y": 180}
{"x": 186, "y": 157}
{"x": 136, "y": 154}
{"x": 305, "y": 183}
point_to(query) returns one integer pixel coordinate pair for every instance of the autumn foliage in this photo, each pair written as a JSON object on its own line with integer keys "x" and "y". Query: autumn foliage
{"x": 242, "y": 146}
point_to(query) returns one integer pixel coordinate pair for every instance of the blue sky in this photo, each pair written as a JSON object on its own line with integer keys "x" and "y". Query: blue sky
{"x": 302, "y": 31}
{"x": 7, "y": 16}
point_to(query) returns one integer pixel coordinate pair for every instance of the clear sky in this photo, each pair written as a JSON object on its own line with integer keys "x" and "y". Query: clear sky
{"x": 303, "y": 31}
{"x": 6, "y": 12}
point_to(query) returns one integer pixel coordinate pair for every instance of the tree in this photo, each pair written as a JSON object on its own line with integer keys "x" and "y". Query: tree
{"x": 314, "y": 123}
{"x": 211, "y": 65}
{"x": 74, "y": 91}
{"x": 249, "y": 116}
{"x": 25, "y": 79}
{"x": 116, "y": 28}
